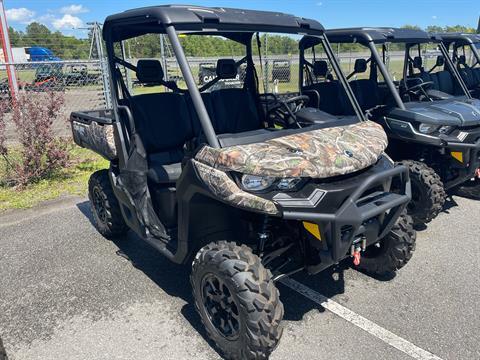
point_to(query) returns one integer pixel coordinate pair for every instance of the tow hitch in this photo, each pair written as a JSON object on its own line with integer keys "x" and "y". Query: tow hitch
{"x": 359, "y": 245}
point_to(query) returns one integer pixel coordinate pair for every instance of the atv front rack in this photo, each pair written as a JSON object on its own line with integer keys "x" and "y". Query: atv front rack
{"x": 365, "y": 208}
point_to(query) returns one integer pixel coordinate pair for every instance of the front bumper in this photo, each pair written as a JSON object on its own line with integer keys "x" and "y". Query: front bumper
{"x": 368, "y": 213}
{"x": 467, "y": 161}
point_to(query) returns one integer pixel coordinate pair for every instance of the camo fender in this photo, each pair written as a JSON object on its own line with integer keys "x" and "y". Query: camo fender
{"x": 225, "y": 188}
{"x": 96, "y": 137}
{"x": 320, "y": 153}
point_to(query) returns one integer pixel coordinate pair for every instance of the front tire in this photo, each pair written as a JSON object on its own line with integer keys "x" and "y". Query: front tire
{"x": 393, "y": 251}
{"x": 428, "y": 192}
{"x": 105, "y": 207}
{"x": 237, "y": 301}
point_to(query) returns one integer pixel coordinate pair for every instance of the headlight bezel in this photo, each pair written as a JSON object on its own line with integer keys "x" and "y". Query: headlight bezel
{"x": 271, "y": 183}
{"x": 427, "y": 129}
{"x": 434, "y": 129}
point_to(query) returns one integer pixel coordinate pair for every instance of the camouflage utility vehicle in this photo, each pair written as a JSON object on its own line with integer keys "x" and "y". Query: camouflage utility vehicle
{"x": 431, "y": 119}
{"x": 249, "y": 186}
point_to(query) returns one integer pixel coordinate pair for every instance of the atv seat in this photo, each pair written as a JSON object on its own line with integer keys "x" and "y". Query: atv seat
{"x": 233, "y": 111}
{"x": 443, "y": 81}
{"x": 328, "y": 95}
{"x": 366, "y": 90}
{"x": 163, "y": 124}
{"x": 471, "y": 76}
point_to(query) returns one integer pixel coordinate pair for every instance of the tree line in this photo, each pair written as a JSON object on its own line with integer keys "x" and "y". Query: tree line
{"x": 148, "y": 46}
{"x": 65, "y": 47}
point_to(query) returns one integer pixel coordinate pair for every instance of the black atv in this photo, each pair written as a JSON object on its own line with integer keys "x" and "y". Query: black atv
{"x": 465, "y": 54}
{"x": 431, "y": 119}
{"x": 249, "y": 186}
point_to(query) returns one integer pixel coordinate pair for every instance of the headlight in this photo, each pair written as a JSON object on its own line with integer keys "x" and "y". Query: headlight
{"x": 288, "y": 183}
{"x": 255, "y": 183}
{"x": 446, "y": 129}
{"x": 428, "y": 128}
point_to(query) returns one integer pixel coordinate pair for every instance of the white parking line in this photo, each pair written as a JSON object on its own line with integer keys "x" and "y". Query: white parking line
{"x": 376, "y": 330}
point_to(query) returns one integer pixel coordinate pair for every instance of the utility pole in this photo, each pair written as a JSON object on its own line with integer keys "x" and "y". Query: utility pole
{"x": 7, "y": 52}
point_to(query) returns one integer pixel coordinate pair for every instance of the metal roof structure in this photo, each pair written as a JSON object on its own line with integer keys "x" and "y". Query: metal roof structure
{"x": 380, "y": 35}
{"x": 191, "y": 18}
{"x": 459, "y": 38}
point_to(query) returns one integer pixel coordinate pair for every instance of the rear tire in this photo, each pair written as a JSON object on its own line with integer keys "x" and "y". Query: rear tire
{"x": 428, "y": 192}
{"x": 105, "y": 208}
{"x": 393, "y": 251}
{"x": 231, "y": 286}
{"x": 469, "y": 189}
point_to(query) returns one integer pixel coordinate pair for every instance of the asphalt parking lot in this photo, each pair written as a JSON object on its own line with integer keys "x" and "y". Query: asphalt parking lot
{"x": 67, "y": 293}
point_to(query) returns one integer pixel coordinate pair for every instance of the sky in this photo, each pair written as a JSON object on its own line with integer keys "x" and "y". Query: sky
{"x": 71, "y": 17}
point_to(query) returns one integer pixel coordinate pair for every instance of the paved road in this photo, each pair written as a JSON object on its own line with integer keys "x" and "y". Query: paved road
{"x": 65, "y": 293}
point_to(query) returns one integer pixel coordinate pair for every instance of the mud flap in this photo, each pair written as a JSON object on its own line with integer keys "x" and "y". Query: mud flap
{"x": 133, "y": 181}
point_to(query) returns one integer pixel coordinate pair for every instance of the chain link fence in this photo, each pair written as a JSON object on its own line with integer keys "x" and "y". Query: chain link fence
{"x": 81, "y": 83}
{"x": 85, "y": 83}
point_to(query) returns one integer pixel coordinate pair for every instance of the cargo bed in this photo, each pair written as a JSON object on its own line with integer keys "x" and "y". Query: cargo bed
{"x": 94, "y": 130}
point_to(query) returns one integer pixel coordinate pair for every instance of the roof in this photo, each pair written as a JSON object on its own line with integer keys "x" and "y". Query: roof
{"x": 462, "y": 38}
{"x": 153, "y": 19}
{"x": 380, "y": 35}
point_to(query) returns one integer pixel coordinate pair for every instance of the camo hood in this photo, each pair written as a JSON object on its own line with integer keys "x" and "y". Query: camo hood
{"x": 319, "y": 153}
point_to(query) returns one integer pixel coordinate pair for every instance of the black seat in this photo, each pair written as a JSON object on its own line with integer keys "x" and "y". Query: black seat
{"x": 327, "y": 95}
{"x": 329, "y": 99}
{"x": 470, "y": 76}
{"x": 445, "y": 82}
{"x": 163, "y": 123}
{"x": 423, "y": 75}
{"x": 366, "y": 90}
{"x": 232, "y": 110}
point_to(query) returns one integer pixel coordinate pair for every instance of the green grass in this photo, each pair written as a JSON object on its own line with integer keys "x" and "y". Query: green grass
{"x": 70, "y": 181}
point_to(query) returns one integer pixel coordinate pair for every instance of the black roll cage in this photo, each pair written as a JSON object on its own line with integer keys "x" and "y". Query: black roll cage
{"x": 370, "y": 37}
{"x": 241, "y": 33}
{"x": 408, "y": 61}
{"x": 336, "y": 67}
{"x": 462, "y": 40}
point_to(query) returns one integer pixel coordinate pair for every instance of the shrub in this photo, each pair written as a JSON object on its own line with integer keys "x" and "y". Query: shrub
{"x": 41, "y": 154}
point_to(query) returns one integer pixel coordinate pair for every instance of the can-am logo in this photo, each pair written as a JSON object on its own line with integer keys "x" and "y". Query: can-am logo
{"x": 348, "y": 153}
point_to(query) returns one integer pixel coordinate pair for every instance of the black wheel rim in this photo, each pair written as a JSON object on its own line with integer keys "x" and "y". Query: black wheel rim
{"x": 99, "y": 205}
{"x": 220, "y": 307}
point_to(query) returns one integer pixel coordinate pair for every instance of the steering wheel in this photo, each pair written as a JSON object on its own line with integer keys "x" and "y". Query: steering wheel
{"x": 283, "y": 111}
{"x": 299, "y": 100}
{"x": 416, "y": 89}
